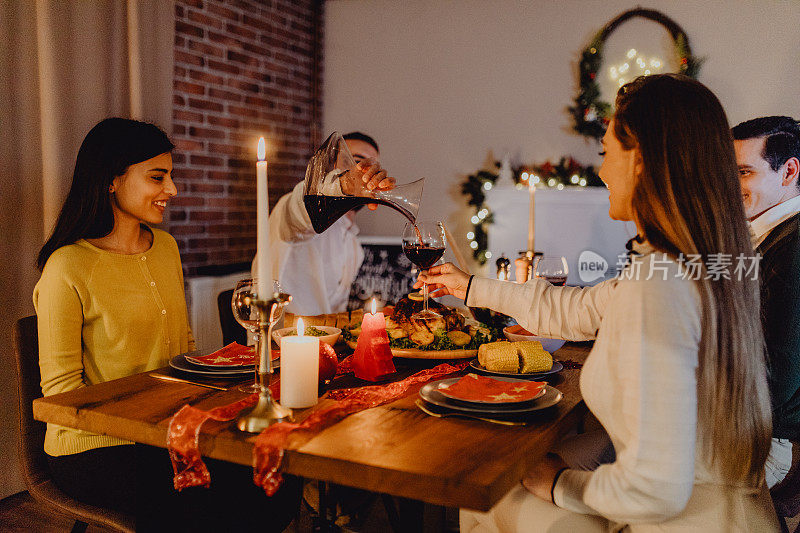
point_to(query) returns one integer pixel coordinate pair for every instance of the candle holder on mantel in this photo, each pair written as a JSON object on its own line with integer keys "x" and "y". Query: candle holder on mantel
{"x": 267, "y": 411}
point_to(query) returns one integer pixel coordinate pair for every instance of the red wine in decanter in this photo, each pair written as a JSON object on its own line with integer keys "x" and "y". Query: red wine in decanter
{"x": 325, "y": 210}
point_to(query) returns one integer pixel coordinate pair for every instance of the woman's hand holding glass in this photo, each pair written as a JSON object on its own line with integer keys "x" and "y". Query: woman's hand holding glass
{"x": 443, "y": 280}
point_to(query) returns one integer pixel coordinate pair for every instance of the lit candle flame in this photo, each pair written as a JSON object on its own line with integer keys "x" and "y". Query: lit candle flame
{"x": 262, "y": 149}
{"x": 373, "y": 306}
{"x": 301, "y": 330}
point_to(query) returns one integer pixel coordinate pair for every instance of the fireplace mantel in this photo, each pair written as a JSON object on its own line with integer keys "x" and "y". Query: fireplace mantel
{"x": 568, "y": 222}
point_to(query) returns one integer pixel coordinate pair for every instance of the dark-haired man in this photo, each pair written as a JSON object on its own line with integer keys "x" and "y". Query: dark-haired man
{"x": 768, "y": 156}
{"x": 318, "y": 269}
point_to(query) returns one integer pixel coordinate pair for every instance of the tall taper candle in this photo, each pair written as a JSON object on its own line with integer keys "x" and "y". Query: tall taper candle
{"x": 531, "y": 212}
{"x": 263, "y": 273}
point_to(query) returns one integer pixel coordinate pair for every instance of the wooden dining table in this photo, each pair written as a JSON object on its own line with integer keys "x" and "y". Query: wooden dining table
{"x": 394, "y": 448}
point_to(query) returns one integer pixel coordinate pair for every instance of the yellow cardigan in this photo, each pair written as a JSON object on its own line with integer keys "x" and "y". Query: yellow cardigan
{"x": 104, "y": 316}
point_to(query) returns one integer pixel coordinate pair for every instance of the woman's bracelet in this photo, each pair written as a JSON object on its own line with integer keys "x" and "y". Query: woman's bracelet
{"x": 469, "y": 284}
{"x": 553, "y": 486}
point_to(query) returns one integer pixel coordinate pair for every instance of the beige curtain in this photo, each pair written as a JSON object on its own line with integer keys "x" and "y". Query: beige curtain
{"x": 64, "y": 66}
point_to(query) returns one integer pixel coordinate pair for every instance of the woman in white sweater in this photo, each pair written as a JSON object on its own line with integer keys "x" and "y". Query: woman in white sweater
{"x": 677, "y": 375}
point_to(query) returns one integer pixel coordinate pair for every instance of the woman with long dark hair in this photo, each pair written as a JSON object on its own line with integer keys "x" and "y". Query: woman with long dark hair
{"x": 110, "y": 303}
{"x": 677, "y": 373}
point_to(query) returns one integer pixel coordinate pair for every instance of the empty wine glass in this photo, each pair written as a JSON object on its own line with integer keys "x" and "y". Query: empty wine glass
{"x": 552, "y": 268}
{"x": 247, "y": 316}
{"x": 424, "y": 244}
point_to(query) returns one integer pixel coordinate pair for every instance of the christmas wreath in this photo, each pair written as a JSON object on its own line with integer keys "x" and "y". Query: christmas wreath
{"x": 590, "y": 114}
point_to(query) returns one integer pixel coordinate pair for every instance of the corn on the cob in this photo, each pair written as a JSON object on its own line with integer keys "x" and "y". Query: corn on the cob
{"x": 483, "y": 349}
{"x": 503, "y": 358}
{"x": 533, "y": 358}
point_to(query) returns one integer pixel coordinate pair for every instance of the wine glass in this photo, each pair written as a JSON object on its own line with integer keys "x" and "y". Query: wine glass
{"x": 248, "y": 317}
{"x": 552, "y": 269}
{"x": 424, "y": 244}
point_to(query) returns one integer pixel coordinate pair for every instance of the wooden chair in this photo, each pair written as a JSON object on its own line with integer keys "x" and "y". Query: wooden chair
{"x": 31, "y": 440}
{"x": 231, "y": 330}
{"x": 786, "y": 494}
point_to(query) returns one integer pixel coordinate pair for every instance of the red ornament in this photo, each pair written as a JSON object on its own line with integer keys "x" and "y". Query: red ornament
{"x": 373, "y": 357}
{"x": 592, "y": 75}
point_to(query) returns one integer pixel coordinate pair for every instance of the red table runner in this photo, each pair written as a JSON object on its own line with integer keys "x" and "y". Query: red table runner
{"x": 184, "y": 427}
{"x": 183, "y": 437}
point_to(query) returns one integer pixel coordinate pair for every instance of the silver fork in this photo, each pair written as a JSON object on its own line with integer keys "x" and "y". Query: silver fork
{"x": 425, "y": 410}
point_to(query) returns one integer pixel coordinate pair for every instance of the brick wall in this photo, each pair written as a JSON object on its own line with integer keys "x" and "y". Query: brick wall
{"x": 243, "y": 68}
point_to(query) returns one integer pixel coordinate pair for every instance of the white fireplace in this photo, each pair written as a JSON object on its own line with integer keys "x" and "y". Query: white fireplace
{"x": 568, "y": 222}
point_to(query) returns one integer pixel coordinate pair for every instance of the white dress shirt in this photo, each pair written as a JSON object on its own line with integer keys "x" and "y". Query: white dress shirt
{"x": 640, "y": 382}
{"x": 316, "y": 269}
{"x": 769, "y": 219}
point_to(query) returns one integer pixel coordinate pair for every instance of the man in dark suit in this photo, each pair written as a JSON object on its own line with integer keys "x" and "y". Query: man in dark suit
{"x": 768, "y": 156}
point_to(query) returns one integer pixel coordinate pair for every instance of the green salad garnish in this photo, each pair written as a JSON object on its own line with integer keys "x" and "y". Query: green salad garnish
{"x": 311, "y": 331}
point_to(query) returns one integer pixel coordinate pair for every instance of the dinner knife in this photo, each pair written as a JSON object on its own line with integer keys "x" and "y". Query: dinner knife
{"x": 162, "y": 377}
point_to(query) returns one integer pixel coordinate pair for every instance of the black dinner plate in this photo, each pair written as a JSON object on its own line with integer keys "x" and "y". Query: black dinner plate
{"x": 180, "y": 363}
{"x": 430, "y": 394}
{"x": 557, "y": 367}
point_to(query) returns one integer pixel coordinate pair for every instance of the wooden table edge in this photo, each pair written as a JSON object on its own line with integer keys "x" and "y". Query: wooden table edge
{"x": 479, "y": 497}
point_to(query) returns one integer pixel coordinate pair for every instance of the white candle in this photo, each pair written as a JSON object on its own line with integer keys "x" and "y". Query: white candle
{"x": 299, "y": 369}
{"x": 263, "y": 273}
{"x": 531, "y": 221}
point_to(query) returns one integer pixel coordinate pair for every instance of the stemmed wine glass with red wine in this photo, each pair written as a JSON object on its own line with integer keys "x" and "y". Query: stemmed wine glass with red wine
{"x": 553, "y": 269}
{"x": 424, "y": 244}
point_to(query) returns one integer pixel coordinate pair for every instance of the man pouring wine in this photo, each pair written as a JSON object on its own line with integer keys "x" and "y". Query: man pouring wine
{"x": 317, "y": 269}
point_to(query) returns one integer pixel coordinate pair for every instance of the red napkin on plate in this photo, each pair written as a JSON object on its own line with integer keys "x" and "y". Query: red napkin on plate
{"x": 233, "y": 354}
{"x": 475, "y": 388}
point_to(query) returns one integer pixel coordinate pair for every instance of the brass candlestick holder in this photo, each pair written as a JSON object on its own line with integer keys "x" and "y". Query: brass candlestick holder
{"x": 267, "y": 411}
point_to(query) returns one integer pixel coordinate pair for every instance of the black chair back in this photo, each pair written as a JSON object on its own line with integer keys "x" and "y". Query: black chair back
{"x": 231, "y": 330}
